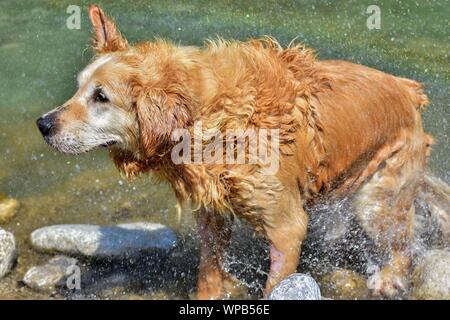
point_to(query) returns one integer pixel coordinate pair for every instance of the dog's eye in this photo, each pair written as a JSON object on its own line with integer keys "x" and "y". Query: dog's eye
{"x": 99, "y": 96}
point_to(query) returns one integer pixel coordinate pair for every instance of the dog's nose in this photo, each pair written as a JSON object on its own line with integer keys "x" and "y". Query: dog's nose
{"x": 45, "y": 125}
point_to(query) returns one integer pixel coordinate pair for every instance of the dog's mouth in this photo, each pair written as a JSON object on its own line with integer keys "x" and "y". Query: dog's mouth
{"x": 108, "y": 143}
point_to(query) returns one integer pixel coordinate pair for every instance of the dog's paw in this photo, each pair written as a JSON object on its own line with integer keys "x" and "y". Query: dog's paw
{"x": 387, "y": 283}
{"x": 233, "y": 288}
{"x": 221, "y": 287}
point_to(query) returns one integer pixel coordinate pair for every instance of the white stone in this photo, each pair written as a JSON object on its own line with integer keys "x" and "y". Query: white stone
{"x": 296, "y": 287}
{"x": 8, "y": 252}
{"x": 121, "y": 241}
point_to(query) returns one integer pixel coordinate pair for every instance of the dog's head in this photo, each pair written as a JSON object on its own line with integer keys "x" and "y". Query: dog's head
{"x": 130, "y": 98}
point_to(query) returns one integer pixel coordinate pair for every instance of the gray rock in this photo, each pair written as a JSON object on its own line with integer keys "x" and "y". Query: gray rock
{"x": 296, "y": 287}
{"x": 50, "y": 276}
{"x": 433, "y": 202}
{"x": 121, "y": 241}
{"x": 431, "y": 277}
{"x": 8, "y": 252}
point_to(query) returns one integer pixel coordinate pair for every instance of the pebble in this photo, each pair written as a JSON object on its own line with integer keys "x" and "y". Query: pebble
{"x": 48, "y": 277}
{"x": 296, "y": 287}
{"x": 8, "y": 209}
{"x": 8, "y": 252}
{"x": 431, "y": 276}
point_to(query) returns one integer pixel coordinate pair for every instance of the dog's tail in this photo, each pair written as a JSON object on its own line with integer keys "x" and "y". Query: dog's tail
{"x": 434, "y": 195}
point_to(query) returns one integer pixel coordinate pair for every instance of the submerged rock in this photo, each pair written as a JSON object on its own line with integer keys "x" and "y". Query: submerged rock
{"x": 8, "y": 209}
{"x": 8, "y": 252}
{"x": 121, "y": 241}
{"x": 50, "y": 276}
{"x": 344, "y": 284}
{"x": 431, "y": 277}
{"x": 296, "y": 287}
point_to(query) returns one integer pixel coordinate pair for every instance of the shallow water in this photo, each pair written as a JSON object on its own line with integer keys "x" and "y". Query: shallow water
{"x": 39, "y": 60}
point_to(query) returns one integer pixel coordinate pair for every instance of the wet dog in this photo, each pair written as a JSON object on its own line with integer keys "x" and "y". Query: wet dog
{"x": 340, "y": 129}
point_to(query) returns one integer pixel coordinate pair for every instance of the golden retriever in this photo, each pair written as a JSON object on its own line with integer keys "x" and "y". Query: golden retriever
{"x": 340, "y": 129}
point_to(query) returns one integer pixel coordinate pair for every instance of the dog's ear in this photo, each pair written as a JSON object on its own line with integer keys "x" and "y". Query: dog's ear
{"x": 106, "y": 36}
{"x": 159, "y": 114}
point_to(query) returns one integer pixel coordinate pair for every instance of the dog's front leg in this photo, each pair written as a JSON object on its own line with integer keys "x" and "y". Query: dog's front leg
{"x": 215, "y": 232}
{"x": 286, "y": 236}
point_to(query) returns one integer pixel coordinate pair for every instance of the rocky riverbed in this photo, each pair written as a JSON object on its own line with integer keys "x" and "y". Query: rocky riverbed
{"x": 143, "y": 260}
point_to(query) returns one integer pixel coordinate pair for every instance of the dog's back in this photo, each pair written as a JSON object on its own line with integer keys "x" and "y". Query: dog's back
{"x": 338, "y": 116}
{"x": 361, "y": 112}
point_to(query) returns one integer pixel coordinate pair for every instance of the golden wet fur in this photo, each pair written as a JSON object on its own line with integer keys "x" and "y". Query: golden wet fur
{"x": 344, "y": 129}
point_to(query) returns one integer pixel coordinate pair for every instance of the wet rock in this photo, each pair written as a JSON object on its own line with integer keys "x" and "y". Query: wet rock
{"x": 8, "y": 252}
{"x": 344, "y": 284}
{"x": 50, "y": 276}
{"x": 431, "y": 277}
{"x": 296, "y": 287}
{"x": 121, "y": 241}
{"x": 8, "y": 209}
{"x": 433, "y": 202}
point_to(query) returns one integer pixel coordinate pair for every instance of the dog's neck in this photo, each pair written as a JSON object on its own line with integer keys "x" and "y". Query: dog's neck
{"x": 192, "y": 183}
{"x": 201, "y": 86}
